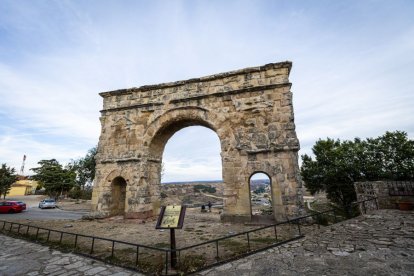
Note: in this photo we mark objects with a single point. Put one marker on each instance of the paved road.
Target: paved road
(34, 213)
(19, 257)
(30, 200)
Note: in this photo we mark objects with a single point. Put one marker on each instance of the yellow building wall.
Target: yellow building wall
(22, 187)
(32, 183)
(18, 191)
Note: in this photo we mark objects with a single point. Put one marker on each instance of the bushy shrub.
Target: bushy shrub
(203, 188)
(77, 193)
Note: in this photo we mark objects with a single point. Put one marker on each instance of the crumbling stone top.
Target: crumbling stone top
(285, 64)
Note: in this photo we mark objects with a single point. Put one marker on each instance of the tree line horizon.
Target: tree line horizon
(333, 168)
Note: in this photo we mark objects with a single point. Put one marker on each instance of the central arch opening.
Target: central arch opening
(192, 154)
(191, 171)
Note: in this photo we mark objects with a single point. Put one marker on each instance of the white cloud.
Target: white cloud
(352, 67)
(14, 147)
(192, 153)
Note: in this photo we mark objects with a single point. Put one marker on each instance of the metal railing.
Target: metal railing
(41, 234)
(131, 255)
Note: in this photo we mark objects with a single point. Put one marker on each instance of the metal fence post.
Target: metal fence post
(248, 241)
(275, 232)
(335, 218)
(113, 245)
(217, 251)
(76, 241)
(136, 260)
(319, 220)
(166, 262)
(364, 207)
(93, 242)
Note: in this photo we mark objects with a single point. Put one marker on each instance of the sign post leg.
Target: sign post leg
(173, 247)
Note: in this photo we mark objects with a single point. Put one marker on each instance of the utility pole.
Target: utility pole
(22, 168)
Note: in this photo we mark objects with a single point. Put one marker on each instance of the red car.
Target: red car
(10, 207)
(22, 204)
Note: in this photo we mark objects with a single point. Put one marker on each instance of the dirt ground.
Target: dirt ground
(198, 228)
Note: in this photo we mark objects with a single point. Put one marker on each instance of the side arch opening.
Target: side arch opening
(260, 185)
(118, 192)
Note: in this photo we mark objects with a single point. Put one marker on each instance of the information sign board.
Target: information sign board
(171, 217)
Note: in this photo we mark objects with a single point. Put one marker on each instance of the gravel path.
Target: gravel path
(381, 243)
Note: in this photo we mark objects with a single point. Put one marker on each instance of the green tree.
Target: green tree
(55, 179)
(259, 190)
(7, 178)
(332, 171)
(395, 153)
(85, 169)
(338, 165)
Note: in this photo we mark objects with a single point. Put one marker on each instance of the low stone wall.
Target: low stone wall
(386, 192)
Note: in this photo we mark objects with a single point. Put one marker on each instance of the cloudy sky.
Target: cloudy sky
(353, 68)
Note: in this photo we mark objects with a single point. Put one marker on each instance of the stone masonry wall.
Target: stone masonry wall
(381, 190)
(251, 112)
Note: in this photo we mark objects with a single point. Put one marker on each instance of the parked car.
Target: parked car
(21, 203)
(10, 207)
(47, 203)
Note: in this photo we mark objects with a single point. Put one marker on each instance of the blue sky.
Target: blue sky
(352, 75)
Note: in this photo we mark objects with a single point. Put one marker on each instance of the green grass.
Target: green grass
(267, 240)
(162, 245)
(234, 246)
(191, 263)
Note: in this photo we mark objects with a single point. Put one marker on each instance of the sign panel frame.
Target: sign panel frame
(171, 217)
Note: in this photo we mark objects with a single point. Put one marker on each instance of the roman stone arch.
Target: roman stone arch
(251, 112)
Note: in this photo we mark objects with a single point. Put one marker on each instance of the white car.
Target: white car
(47, 203)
